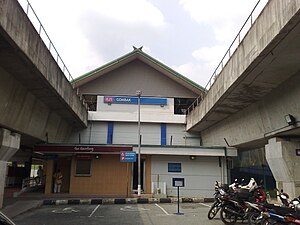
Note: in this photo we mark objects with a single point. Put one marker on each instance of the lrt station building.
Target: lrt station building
(92, 160)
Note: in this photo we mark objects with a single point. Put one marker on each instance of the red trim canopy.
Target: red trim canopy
(80, 149)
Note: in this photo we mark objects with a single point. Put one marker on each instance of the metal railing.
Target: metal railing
(234, 45)
(45, 37)
(33, 182)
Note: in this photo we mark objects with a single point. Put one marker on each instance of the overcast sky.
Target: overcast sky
(190, 36)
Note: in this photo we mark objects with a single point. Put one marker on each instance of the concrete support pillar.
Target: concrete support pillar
(3, 168)
(284, 164)
(49, 176)
(9, 145)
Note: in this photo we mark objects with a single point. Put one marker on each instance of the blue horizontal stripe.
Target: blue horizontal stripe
(134, 100)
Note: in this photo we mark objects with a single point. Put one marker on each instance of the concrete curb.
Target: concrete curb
(109, 201)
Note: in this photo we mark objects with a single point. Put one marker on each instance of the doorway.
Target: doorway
(135, 175)
(64, 164)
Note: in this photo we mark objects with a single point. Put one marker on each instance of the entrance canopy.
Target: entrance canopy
(80, 149)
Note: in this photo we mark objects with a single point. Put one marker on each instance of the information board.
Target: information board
(127, 156)
(178, 182)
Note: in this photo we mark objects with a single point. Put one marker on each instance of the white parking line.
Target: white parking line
(204, 204)
(94, 211)
(162, 209)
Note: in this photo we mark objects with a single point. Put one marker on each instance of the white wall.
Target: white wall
(200, 174)
(180, 136)
(126, 133)
(125, 128)
(95, 133)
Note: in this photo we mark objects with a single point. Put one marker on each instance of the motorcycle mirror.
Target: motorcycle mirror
(295, 202)
(283, 196)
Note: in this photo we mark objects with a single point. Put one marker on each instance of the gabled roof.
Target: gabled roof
(137, 53)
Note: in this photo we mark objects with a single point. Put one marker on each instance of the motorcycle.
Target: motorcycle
(220, 191)
(279, 216)
(287, 213)
(235, 206)
(233, 209)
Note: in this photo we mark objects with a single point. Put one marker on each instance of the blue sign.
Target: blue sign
(134, 100)
(127, 156)
(174, 167)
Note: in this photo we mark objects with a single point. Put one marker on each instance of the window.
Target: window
(174, 167)
(83, 167)
(91, 101)
(181, 105)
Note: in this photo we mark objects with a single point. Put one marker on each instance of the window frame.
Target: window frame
(83, 174)
(176, 165)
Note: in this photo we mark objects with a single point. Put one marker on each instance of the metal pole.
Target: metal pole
(225, 165)
(139, 92)
(178, 200)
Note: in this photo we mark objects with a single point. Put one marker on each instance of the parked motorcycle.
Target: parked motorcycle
(236, 208)
(220, 192)
(287, 213)
(278, 215)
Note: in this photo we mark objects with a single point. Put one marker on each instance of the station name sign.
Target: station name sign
(83, 148)
(78, 149)
(134, 100)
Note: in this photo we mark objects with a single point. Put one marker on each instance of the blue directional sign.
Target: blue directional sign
(127, 156)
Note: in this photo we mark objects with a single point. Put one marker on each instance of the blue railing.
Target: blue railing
(234, 45)
(45, 37)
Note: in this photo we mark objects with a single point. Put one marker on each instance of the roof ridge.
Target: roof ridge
(139, 51)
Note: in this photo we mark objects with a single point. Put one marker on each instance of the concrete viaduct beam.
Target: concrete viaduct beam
(36, 97)
(22, 111)
(266, 57)
(265, 119)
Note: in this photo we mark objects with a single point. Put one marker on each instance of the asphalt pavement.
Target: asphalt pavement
(16, 205)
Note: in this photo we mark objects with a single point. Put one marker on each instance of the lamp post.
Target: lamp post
(139, 93)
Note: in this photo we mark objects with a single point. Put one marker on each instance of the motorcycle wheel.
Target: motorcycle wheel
(214, 209)
(227, 217)
(252, 218)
